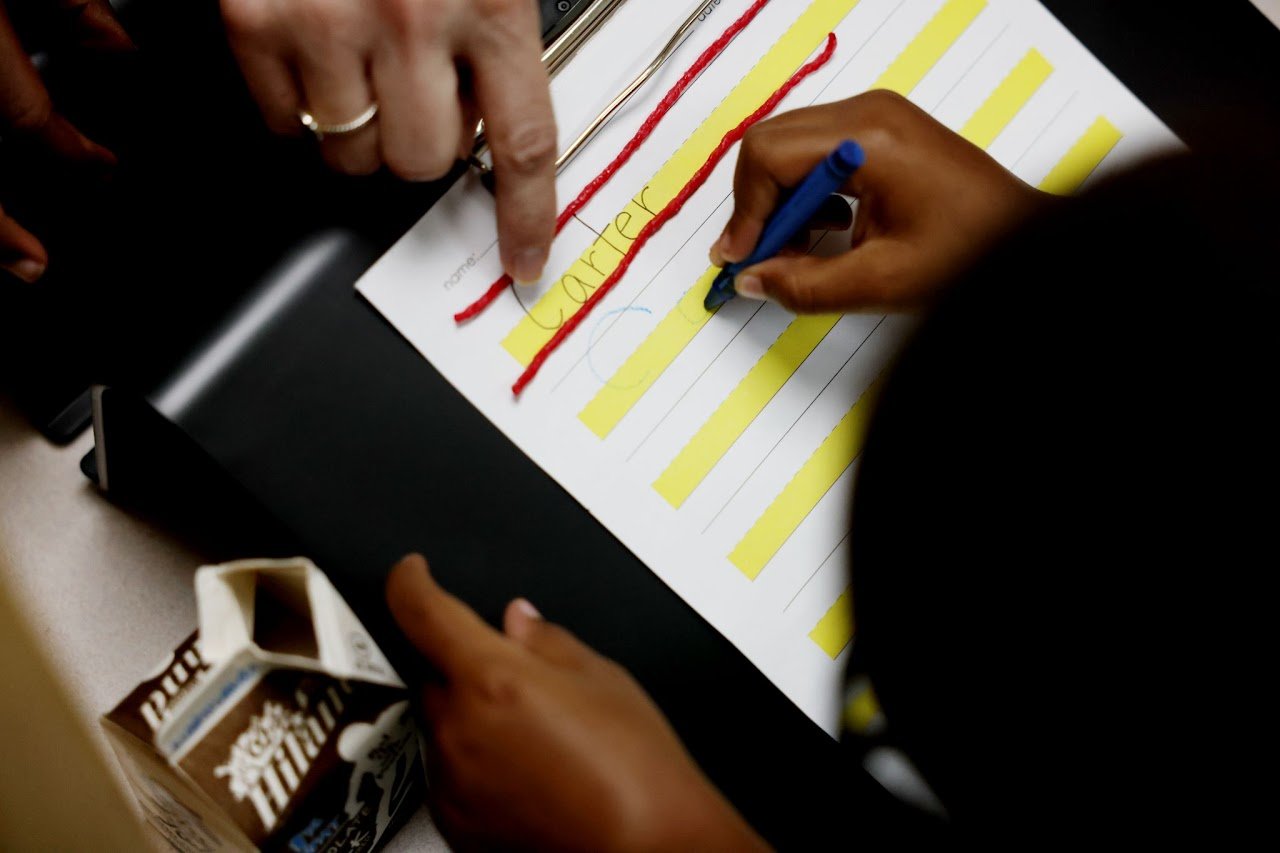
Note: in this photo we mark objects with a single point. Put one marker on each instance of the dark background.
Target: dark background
(319, 424)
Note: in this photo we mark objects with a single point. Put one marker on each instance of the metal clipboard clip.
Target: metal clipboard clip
(562, 50)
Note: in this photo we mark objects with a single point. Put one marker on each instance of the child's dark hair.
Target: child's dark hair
(1065, 510)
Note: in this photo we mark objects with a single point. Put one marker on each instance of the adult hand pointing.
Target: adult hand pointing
(433, 68)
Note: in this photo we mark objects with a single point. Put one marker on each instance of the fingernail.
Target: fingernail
(101, 154)
(28, 270)
(527, 266)
(726, 250)
(415, 562)
(527, 608)
(750, 287)
(717, 251)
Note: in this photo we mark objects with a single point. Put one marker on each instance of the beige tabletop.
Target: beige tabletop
(1270, 8)
(106, 594)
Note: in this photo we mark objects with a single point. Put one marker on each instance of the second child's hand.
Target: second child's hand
(536, 742)
(930, 203)
(27, 112)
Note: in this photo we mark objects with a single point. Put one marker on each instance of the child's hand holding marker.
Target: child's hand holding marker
(930, 203)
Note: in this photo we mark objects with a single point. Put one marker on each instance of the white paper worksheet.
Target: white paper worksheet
(722, 448)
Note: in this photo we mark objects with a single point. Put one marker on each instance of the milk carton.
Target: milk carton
(279, 725)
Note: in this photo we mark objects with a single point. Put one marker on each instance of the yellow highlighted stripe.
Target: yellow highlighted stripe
(643, 367)
(835, 630)
(568, 294)
(937, 37)
(862, 713)
(795, 503)
(814, 479)
(742, 406)
(1065, 178)
(675, 332)
(798, 342)
(1083, 158)
(1007, 100)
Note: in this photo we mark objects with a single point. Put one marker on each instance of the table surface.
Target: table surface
(107, 595)
(1270, 8)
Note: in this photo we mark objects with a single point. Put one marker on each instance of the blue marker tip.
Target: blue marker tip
(721, 291)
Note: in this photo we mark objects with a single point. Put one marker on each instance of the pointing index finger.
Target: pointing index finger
(515, 101)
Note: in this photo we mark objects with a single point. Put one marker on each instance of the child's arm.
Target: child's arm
(930, 204)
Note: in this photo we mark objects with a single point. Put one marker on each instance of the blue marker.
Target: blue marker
(794, 215)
